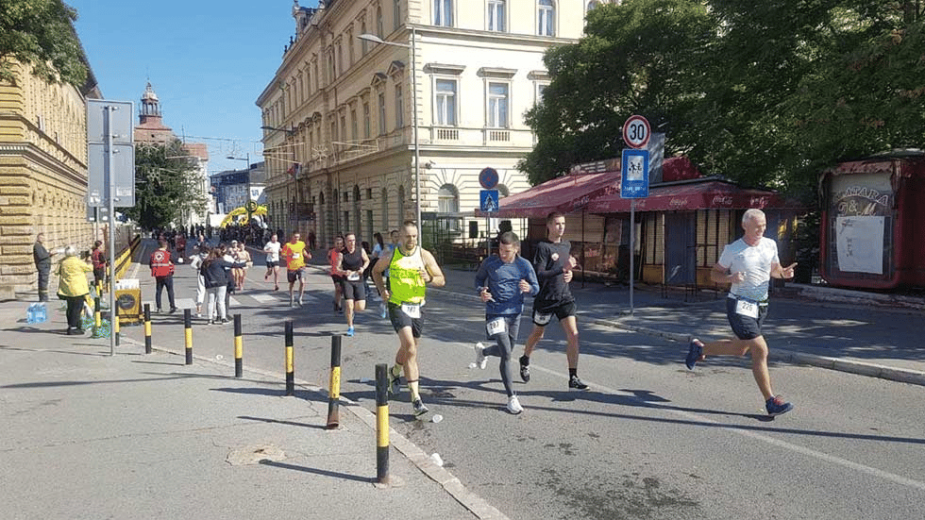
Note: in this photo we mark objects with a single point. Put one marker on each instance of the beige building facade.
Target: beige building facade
(339, 115)
(43, 173)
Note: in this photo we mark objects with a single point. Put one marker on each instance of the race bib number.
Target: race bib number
(353, 277)
(747, 309)
(496, 326)
(541, 319)
(413, 310)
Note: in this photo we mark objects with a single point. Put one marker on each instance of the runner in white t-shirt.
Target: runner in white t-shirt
(272, 250)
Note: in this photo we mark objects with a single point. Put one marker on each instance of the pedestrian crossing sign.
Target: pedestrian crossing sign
(488, 201)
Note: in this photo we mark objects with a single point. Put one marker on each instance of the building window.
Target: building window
(355, 134)
(448, 199)
(496, 15)
(379, 31)
(343, 130)
(592, 5)
(401, 203)
(445, 102)
(547, 18)
(364, 45)
(399, 108)
(366, 122)
(540, 92)
(498, 105)
(382, 113)
(340, 57)
(385, 211)
(350, 55)
(397, 15)
(443, 13)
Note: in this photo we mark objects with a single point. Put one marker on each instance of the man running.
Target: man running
(553, 264)
(352, 262)
(748, 264)
(336, 275)
(272, 250)
(295, 254)
(410, 269)
(502, 281)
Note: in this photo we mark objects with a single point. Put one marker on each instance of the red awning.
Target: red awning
(712, 194)
(563, 194)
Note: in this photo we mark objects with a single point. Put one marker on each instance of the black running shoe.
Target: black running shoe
(525, 369)
(575, 384)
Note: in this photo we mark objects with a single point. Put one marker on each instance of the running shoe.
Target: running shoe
(350, 331)
(419, 408)
(300, 301)
(575, 384)
(266, 277)
(777, 406)
(481, 360)
(513, 405)
(525, 369)
(393, 383)
(694, 352)
(173, 310)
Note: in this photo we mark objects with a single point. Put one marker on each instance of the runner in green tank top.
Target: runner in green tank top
(410, 268)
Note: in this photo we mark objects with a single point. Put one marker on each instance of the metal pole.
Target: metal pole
(382, 424)
(238, 348)
(632, 249)
(417, 151)
(290, 370)
(111, 182)
(334, 391)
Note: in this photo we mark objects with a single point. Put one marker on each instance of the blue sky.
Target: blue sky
(207, 60)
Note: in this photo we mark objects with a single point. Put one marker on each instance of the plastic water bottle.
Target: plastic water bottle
(30, 314)
(41, 313)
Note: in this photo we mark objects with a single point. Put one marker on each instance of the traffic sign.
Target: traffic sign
(636, 132)
(488, 201)
(488, 178)
(634, 169)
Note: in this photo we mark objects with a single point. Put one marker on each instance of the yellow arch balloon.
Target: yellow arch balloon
(241, 211)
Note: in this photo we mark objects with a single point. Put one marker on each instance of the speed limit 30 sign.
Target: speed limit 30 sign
(636, 132)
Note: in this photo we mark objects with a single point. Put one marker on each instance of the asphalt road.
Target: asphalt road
(649, 440)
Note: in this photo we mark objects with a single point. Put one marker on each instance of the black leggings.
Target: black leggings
(503, 347)
(75, 304)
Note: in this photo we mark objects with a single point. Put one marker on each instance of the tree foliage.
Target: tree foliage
(167, 185)
(763, 93)
(40, 33)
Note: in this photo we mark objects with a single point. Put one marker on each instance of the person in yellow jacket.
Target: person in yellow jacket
(73, 287)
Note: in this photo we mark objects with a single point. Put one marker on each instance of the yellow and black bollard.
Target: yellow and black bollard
(148, 349)
(97, 316)
(334, 392)
(382, 424)
(290, 369)
(188, 325)
(114, 317)
(238, 348)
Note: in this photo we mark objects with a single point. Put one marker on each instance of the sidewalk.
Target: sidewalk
(90, 436)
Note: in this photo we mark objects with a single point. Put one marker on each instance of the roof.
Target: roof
(709, 193)
(564, 194)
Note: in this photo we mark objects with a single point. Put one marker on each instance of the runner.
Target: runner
(748, 264)
(411, 268)
(336, 275)
(553, 264)
(243, 255)
(295, 254)
(272, 250)
(352, 261)
(502, 281)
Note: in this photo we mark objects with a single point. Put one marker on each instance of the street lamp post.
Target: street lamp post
(414, 117)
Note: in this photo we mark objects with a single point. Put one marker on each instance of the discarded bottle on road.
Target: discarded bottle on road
(41, 313)
(30, 314)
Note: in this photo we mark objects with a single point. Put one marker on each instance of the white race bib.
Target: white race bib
(746, 308)
(354, 277)
(413, 310)
(541, 319)
(496, 326)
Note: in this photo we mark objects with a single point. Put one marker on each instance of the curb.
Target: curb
(418, 458)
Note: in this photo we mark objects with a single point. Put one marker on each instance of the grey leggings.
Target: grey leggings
(503, 347)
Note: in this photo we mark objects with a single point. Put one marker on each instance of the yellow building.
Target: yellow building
(43, 173)
(339, 115)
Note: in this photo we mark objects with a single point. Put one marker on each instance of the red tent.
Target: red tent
(694, 195)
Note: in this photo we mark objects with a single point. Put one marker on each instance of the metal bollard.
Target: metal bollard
(290, 369)
(188, 325)
(382, 423)
(238, 348)
(148, 349)
(97, 315)
(114, 317)
(334, 391)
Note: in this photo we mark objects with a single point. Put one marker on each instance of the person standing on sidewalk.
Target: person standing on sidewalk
(42, 258)
(272, 249)
(202, 252)
(73, 287)
(553, 264)
(162, 271)
(98, 257)
(296, 255)
(748, 264)
(352, 261)
(215, 271)
(411, 268)
(502, 280)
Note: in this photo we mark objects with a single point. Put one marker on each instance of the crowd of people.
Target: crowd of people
(401, 270)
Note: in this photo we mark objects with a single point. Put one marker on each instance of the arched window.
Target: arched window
(592, 5)
(448, 199)
(546, 16)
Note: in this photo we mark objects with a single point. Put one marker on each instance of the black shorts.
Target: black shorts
(544, 311)
(354, 289)
(298, 274)
(745, 327)
(99, 274)
(271, 265)
(401, 320)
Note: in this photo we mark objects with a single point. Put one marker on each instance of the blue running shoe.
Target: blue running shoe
(694, 352)
(777, 406)
(350, 331)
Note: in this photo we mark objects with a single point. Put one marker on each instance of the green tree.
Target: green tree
(167, 185)
(40, 33)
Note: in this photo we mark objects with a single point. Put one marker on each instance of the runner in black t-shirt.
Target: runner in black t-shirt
(353, 261)
(553, 264)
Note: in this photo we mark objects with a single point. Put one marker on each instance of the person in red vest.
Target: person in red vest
(162, 271)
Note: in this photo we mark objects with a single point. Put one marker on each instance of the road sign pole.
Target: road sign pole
(632, 249)
(110, 180)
